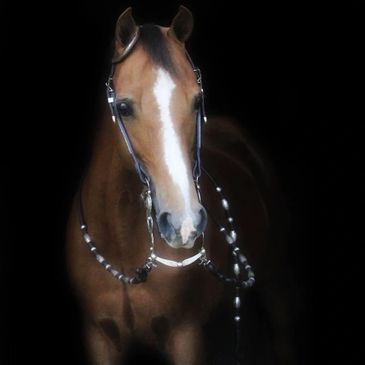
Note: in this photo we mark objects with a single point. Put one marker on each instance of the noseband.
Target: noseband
(228, 231)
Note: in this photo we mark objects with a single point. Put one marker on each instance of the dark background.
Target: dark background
(287, 70)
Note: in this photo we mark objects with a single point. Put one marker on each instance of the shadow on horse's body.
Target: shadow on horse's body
(177, 310)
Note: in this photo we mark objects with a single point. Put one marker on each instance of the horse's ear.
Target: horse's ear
(182, 25)
(126, 34)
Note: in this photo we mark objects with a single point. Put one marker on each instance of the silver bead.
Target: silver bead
(100, 258)
(120, 277)
(236, 269)
(107, 267)
(205, 119)
(233, 234)
(230, 219)
(218, 189)
(251, 281)
(222, 229)
(229, 239)
(237, 318)
(93, 249)
(87, 238)
(237, 302)
(114, 272)
(225, 204)
(83, 226)
(242, 258)
(113, 117)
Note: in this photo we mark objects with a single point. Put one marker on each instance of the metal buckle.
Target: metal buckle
(146, 196)
(198, 75)
(108, 84)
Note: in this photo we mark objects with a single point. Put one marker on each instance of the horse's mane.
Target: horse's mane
(154, 43)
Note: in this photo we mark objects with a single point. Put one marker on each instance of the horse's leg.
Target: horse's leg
(104, 345)
(185, 345)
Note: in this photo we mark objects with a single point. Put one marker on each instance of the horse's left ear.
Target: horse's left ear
(126, 35)
(182, 25)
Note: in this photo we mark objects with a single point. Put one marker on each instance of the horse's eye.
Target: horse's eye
(125, 109)
(197, 101)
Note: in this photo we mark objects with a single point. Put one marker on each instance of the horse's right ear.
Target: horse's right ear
(126, 35)
(182, 25)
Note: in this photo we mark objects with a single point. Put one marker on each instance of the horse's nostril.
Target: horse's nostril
(202, 223)
(165, 226)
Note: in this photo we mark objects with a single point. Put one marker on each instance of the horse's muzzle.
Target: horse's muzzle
(181, 232)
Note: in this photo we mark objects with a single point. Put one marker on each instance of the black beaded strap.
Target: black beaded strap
(141, 272)
(209, 265)
(240, 261)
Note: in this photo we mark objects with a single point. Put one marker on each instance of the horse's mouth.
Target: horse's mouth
(177, 241)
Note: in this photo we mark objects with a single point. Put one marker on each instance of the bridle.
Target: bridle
(117, 118)
(153, 260)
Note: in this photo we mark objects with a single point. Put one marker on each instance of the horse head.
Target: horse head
(157, 97)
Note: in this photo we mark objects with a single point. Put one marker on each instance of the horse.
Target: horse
(155, 98)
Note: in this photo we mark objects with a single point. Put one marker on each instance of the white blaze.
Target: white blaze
(172, 153)
(186, 228)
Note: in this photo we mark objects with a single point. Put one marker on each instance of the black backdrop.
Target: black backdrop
(277, 67)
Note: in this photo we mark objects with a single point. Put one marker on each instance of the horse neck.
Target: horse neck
(111, 164)
(111, 190)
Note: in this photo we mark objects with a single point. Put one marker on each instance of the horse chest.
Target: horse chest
(179, 292)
